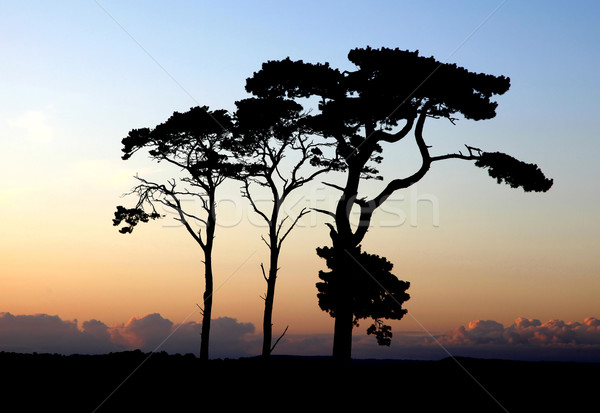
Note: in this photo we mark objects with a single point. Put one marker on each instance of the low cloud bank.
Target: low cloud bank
(525, 339)
(527, 332)
(44, 333)
(229, 338)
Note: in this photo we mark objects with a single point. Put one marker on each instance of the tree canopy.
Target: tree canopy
(390, 93)
(196, 143)
(376, 292)
(275, 153)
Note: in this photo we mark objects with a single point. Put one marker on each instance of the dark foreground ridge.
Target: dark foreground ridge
(181, 383)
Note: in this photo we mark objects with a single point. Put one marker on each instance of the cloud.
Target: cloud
(45, 333)
(33, 125)
(305, 345)
(145, 333)
(228, 338)
(523, 331)
(525, 339)
(50, 334)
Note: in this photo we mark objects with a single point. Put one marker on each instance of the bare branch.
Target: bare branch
(277, 341)
(278, 230)
(312, 176)
(474, 154)
(265, 241)
(333, 186)
(262, 267)
(454, 156)
(189, 228)
(246, 194)
(285, 181)
(176, 208)
(323, 211)
(303, 212)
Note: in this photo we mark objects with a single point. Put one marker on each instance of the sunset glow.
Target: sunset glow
(491, 269)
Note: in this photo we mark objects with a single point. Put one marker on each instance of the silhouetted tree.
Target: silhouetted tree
(390, 93)
(376, 292)
(277, 155)
(193, 143)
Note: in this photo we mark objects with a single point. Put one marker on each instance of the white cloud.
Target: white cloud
(34, 126)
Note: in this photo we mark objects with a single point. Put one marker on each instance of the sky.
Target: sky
(486, 263)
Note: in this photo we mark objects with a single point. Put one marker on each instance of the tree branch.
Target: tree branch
(369, 207)
(380, 135)
(323, 211)
(277, 341)
(246, 194)
(262, 267)
(265, 241)
(303, 212)
(470, 157)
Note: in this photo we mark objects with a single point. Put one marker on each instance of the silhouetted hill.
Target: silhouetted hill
(135, 381)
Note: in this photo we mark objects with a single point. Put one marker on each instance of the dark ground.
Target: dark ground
(177, 383)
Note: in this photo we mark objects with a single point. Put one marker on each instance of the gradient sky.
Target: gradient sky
(78, 75)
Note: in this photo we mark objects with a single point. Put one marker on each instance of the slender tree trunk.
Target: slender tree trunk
(269, 300)
(207, 308)
(272, 277)
(208, 276)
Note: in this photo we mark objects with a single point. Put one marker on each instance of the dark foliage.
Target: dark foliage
(275, 118)
(132, 216)
(390, 93)
(382, 332)
(389, 85)
(376, 292)
(513, 172)
(180, 131)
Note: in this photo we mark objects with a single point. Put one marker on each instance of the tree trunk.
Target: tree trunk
(271, 280)
(207, 309)
(268, 316)
(342, 334)
(272, 277)
(344, 243)
(208, 277)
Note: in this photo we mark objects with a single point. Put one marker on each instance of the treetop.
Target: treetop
(388, 85)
